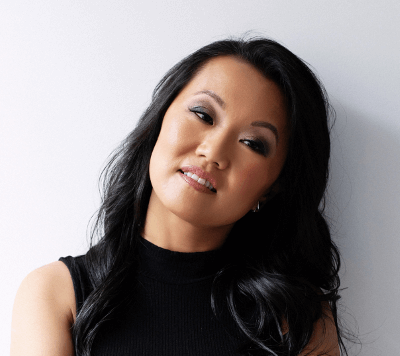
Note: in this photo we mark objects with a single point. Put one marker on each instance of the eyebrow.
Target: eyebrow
(268, 126)
(221, 103)
(215, 96)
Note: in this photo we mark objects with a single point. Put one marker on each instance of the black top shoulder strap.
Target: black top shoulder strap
(80, 278)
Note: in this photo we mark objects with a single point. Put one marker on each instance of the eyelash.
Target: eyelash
(206, 118)
(256, 145)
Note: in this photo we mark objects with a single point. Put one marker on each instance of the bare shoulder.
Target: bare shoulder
(50, 285)
(324, 340)
(44, 311)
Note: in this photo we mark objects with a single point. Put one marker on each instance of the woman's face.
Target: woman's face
(229, 121)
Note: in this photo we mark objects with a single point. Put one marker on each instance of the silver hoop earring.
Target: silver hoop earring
(256, 210)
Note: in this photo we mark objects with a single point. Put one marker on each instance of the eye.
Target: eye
(257, 146)
(201, 114)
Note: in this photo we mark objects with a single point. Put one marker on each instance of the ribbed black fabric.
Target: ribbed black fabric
(170, 313)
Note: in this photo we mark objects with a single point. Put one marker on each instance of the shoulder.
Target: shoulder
(44, 311)
(52, 285)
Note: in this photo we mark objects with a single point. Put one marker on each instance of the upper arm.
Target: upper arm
(324, 341)
(44, 311)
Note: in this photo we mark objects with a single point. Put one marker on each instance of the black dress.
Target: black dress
(170, 313)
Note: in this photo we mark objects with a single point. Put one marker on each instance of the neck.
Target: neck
(167, 230)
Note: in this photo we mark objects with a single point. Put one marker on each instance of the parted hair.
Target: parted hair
(282, 266)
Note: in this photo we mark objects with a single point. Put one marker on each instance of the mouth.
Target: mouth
(202, 181)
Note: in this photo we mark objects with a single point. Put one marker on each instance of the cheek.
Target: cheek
(173, 141)
(251, 183)
(175, 134)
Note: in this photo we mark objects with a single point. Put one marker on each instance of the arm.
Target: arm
(44, 311)
(324, 341)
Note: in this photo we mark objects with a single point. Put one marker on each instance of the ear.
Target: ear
(274, 189)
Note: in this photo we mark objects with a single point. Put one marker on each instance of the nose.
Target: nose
(215, 149)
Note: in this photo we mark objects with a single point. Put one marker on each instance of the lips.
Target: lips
(202, 174)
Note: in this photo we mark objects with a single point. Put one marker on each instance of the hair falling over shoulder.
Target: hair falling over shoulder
(283, 264)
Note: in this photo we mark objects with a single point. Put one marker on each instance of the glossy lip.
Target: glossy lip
(199, 187)
(202, 174)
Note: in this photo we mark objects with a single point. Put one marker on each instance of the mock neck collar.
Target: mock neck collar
(177, 267)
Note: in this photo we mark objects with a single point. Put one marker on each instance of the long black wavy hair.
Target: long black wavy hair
(283, 266)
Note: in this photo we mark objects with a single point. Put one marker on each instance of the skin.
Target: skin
(44, 311)
(180, 218)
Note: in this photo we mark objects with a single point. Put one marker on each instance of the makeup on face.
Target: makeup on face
(251, 135)
(230, 122)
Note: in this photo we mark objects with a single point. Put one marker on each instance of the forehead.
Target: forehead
(244, 89)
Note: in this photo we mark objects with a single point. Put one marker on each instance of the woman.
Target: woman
(212, 239)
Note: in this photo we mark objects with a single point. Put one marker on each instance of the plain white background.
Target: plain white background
(76, 75)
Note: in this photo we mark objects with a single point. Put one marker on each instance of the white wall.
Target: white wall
(76, 75)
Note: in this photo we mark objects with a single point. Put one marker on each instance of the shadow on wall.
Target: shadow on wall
(363, 205)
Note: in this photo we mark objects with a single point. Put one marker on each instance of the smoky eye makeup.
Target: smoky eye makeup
(199, 109)
(205, 112)
(204, 104)
(258, 145)
(202, 114)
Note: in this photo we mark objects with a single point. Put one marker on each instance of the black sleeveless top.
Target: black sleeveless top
(170, 313)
